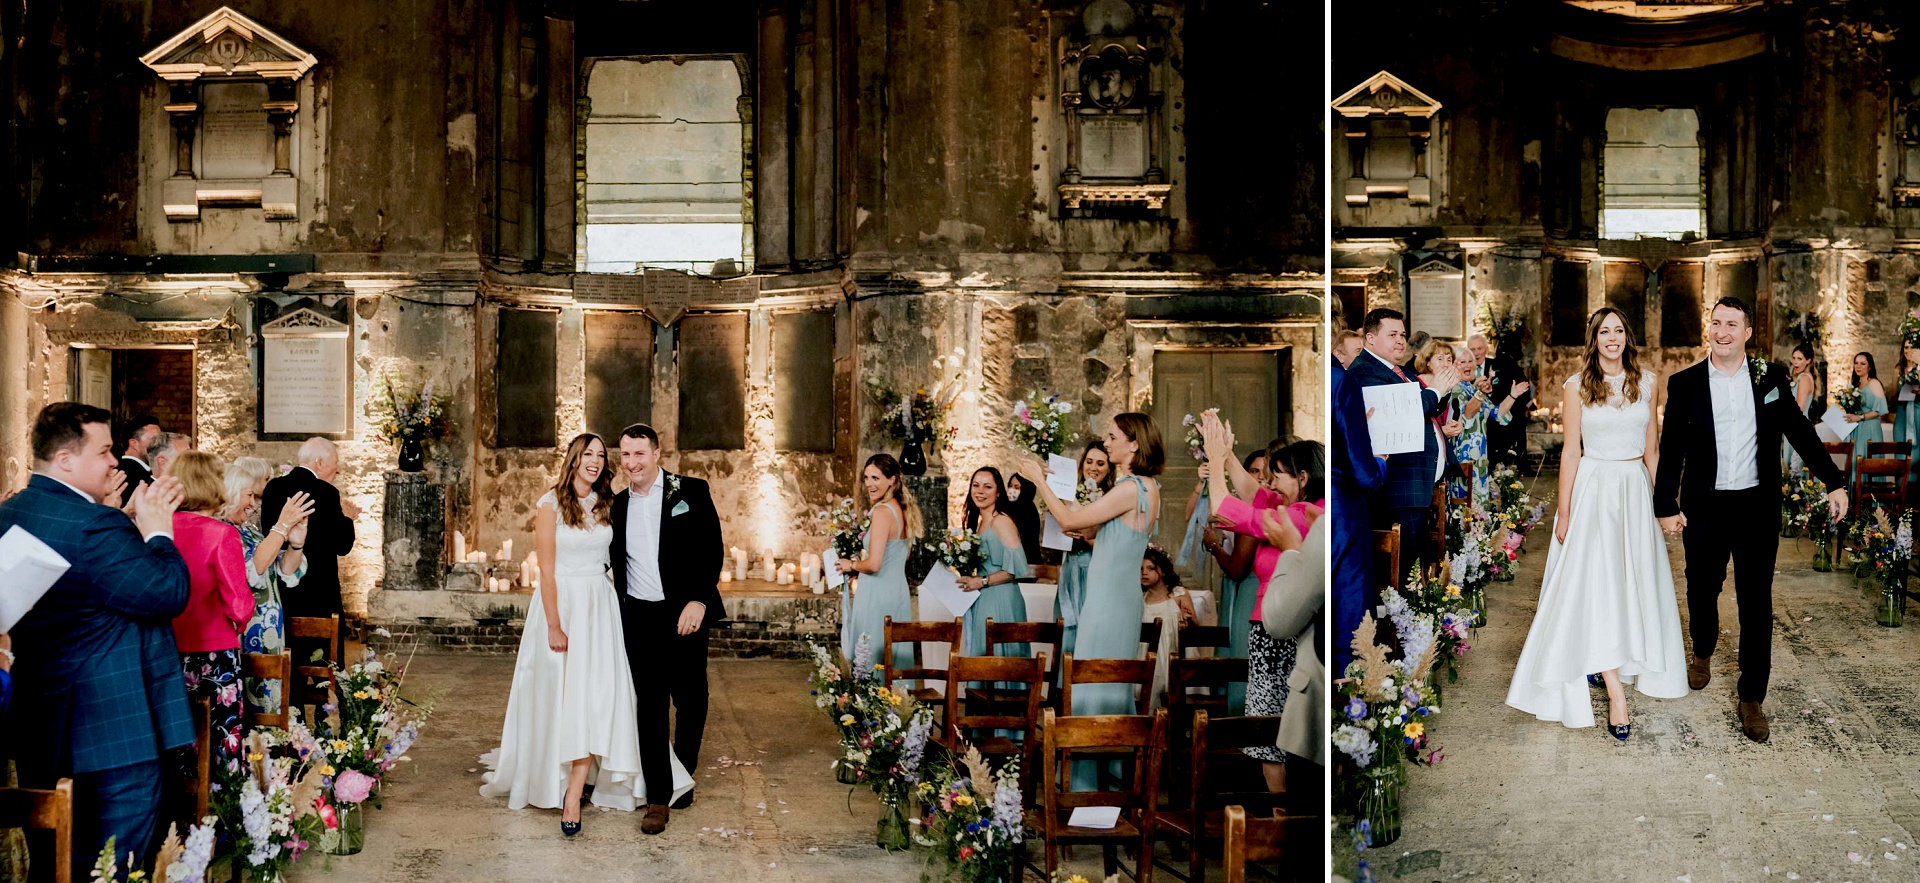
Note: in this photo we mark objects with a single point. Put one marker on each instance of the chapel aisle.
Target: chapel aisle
(1834, 796)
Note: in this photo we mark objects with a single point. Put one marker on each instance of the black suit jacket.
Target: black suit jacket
(691, 551)
(137, 474)
(329, 536)
(1505, 373)
(1689, 454)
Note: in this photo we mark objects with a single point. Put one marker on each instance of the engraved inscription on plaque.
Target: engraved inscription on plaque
(236, 141)
(1113, 146)
(1437, 301)
(306, 386)
(713, 382)
(619, 372)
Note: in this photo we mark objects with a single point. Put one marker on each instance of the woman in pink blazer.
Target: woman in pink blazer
(219, 605)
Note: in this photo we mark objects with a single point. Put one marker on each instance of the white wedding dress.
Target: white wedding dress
(565, 706)
(1607, 600)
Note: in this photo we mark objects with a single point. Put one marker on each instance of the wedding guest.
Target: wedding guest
(1906, 406)
(329, 534)
(1355, 473)
(1454, 405)
(1800, 373)
(1350, 345)
(1406, 497)
(1096, 478)
(893, 526)
(1025, 515)
(96, 667)
(1873, 403)
(1110, 616)
(1166, 601)
(998, 580)
(1239, 586)
(166, 447)
(136, 438)
(1290, 610)
(221, 603)
(275, 559)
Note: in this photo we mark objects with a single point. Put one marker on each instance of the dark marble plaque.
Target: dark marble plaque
(713, 382)
(526, 371)
(619, 373)
(803, 381)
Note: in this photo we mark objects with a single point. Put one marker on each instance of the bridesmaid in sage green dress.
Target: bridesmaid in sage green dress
(1110, 618)
(1906, 407)
(881, 587)
(1873, 403)
(1095, 471)
(1000, 599)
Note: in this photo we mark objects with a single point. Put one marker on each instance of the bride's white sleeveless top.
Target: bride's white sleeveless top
(1615, 429)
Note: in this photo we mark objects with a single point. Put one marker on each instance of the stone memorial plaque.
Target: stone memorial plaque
(306, 379)
(1567, 303)
(619, 373)
(235, 141)
(527, 372)
(609, 288)
(1113, 146)
(713, 382)
(1437, 300)
(803, 381)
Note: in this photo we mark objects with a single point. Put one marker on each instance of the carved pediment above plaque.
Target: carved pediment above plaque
(227, 43)
(1384, 94)
(1151, 196)
(304, 321)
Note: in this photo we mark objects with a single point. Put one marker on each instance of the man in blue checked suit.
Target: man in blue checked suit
(1406, 497)
(96, 671)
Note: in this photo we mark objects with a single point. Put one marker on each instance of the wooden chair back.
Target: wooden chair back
(49, 809)
(1195, 688)
(1901, 449)
(198, 782)
(1842, 454)
(1042, 640)
(311, 679)
(1387, 543)
(918, 634)
(1150, 632)
(1879, 480)
(1138, 672)
(1218, 774)
(1142, 740)
(270, 667)
(1022, 718)
(1250, 839)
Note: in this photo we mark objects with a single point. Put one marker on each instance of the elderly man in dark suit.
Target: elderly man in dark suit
(96, 669)
(329, 532)
(666, 555)
(136, 436)
(1407, 495)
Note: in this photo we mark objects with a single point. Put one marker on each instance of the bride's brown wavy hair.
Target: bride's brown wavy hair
(563, 498)
(1593, 382)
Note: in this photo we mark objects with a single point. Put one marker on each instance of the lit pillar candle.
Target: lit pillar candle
(506, 550)
(459, 546)
(766, 566)
(726, 576)
(739, 563)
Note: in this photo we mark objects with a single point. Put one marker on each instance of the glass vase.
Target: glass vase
(1506, 571)
(1823, 554)
(1381, 807)
(1892, 609)
(845, 774)
(892, 832)
(1477, 601)
(349, 835)
(1787, 530)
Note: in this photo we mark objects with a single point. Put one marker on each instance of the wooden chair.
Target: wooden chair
(44, 810)
(1842, 454)
(1043, 643)
(1138, 672)
(1044, 573)
(196, 787)
(1195, 687)
(1250, 839)
(1142, 739)
(1387, 542)
(1205, 637)
(270, 667)
(1438, 533)
(311, 679)
(1219, 775)
(1881, 480)
(1026, 670)
(918, 634)
(1150, 633)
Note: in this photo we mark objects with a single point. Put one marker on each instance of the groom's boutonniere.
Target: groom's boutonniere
(1758, 367)
(673, 483)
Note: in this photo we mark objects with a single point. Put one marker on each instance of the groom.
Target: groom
(666, 559)
(1720, 452)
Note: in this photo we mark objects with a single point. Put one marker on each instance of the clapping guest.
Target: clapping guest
(221, 604)
(136, 438)
(998, 580)
(1239, 586)
(1406, 498)
(167, 447)
(97, 671)
(329, 534)
(274, 559)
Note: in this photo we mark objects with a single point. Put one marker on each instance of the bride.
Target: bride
(570, 715)
(1607, 602)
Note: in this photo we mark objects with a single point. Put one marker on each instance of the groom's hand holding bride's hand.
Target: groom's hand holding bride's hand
(1673, 523)
(691, 616)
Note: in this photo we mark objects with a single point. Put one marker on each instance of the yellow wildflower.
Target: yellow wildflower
(359, 694)
(1077, 879)
(256, 758)
(326, 769)
(846, 720)
(340, 745)
(964, 800)
(1415, 729)
(1453, 592)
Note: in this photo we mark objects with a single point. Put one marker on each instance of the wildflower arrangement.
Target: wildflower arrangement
(1910, 329)
(846, 527)
(275, 814)
(1197, 444)
(1087, 491)
(1807, 506)
(1380, 719)
(921, 414)
(1505, 329)
(1911, 376)
(1445, 611)
(1849, 400)
(402, 415)
(1510, 496)
(367, 730)
(1040, 423)
(833, 689)
(1809, 328)
(961, 551)
(178, 861)
(975, 819)
(1888, 543)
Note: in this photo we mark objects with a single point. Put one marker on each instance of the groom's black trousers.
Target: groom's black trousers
(1745, 526)
(667, 667)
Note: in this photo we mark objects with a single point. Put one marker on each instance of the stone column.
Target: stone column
(414, 532)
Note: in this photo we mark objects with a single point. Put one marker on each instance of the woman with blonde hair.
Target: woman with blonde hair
(893, 525)
(207, 632)
(571, 713)
(275, 560)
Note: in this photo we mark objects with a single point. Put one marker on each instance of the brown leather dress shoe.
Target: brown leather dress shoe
(1699, 672)
(655, 820)
(1753, 721)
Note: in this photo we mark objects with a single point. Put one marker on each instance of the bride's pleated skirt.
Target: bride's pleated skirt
(1607, 601)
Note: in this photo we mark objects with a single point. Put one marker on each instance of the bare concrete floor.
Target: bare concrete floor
(1834, 796)
(782, 815)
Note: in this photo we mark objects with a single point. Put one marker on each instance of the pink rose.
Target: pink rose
(352, 786)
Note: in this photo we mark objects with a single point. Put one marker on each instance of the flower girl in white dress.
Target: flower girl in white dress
(570, 716)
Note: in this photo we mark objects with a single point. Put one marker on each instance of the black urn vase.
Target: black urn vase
(413, 455)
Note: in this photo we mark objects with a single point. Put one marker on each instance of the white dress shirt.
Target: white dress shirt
(168, 532)
(1736, 431)
(643, 541)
